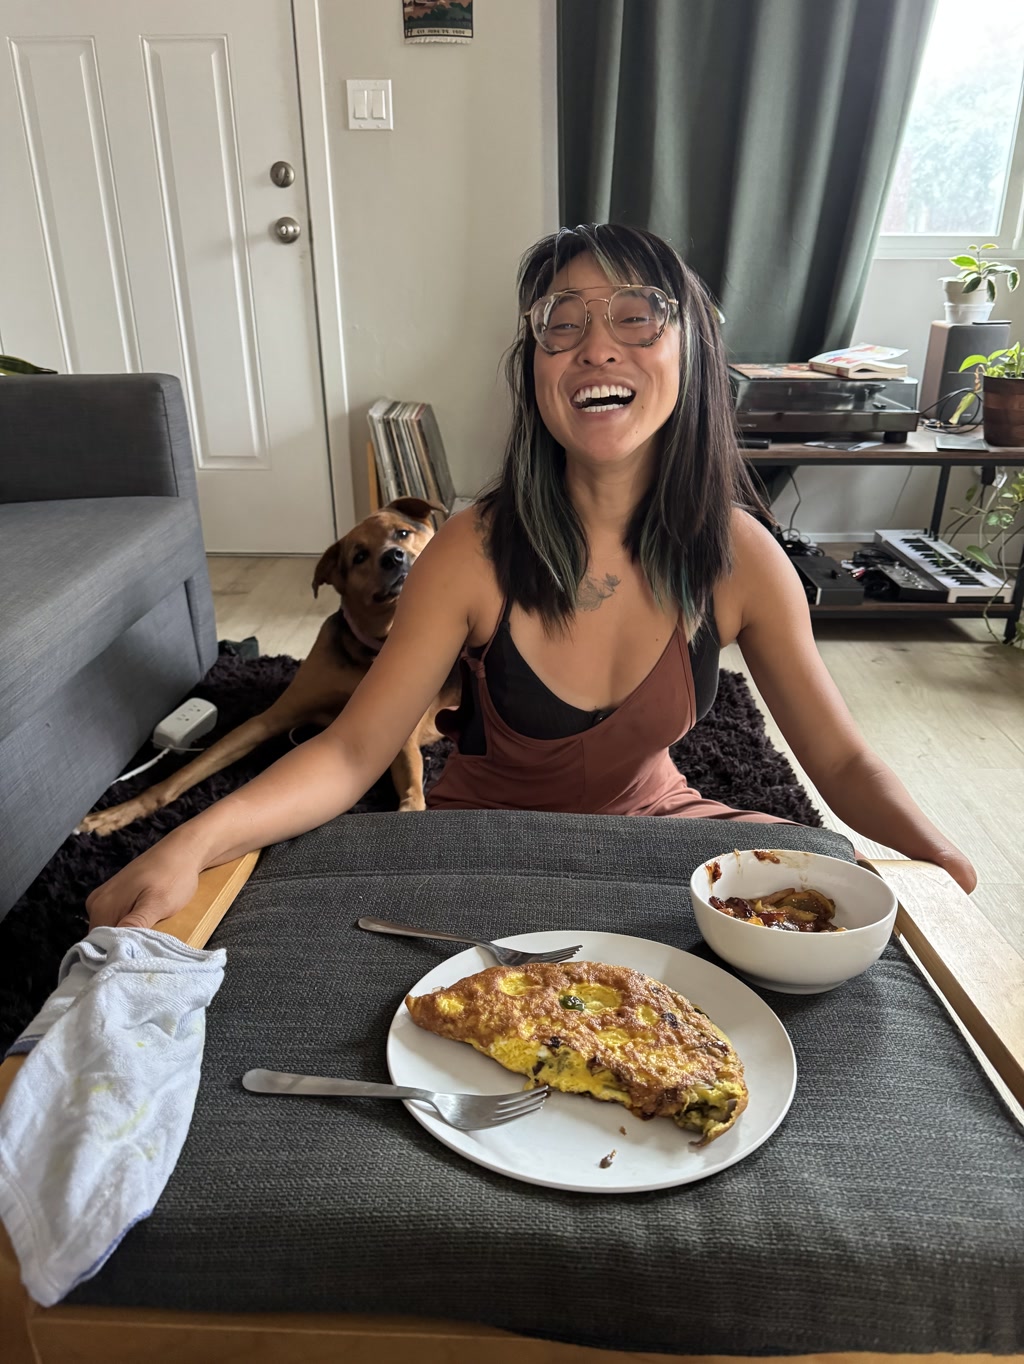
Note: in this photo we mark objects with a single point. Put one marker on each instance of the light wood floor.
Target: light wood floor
(940, 701)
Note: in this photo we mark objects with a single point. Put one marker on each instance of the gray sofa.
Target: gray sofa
(106, 616)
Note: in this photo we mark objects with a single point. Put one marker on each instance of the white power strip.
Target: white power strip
(190, 721)
(175, 732)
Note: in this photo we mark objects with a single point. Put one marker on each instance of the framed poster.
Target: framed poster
(438, 21)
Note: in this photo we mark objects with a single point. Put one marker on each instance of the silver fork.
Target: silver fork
(467, 1112)
(505, 956)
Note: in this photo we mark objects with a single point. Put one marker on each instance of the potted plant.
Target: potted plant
(999, 378)
(966, 300)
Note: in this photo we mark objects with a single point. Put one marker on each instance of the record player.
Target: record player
(793, 402)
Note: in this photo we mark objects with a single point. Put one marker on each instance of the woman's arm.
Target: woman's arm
(329, 773)
(764, 608)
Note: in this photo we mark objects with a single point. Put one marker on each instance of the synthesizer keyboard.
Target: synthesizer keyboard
(960, 577)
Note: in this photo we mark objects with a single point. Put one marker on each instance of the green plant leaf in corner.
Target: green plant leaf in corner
(976, 552)
(11, 364)
(971, 284)
(965, 262)
(1012, 280)
(989, 246)
(990, 289)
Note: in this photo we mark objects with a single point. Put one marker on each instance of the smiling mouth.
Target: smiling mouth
(602, 397)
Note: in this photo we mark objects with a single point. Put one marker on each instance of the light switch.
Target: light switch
(369, 105)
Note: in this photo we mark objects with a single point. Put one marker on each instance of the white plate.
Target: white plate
(562, 1146)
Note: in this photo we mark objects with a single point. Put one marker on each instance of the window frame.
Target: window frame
(1008, 240)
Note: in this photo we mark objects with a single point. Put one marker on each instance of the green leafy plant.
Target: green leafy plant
(976, 271)
(1001, 364)
(10, 364)
(997, 518)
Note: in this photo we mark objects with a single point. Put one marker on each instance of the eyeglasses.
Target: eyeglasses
(636, 315)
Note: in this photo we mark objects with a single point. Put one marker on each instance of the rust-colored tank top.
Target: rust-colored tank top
(620, 766)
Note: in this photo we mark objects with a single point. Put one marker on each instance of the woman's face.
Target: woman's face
(570, 380)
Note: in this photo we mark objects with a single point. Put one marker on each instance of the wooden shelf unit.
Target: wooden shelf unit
(919, 449)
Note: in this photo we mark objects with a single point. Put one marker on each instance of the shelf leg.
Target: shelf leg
(1018, 603)
(940, 499)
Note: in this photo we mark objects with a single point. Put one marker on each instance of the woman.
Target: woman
(588, 595)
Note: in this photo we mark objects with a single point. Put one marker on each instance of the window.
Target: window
(960, 173)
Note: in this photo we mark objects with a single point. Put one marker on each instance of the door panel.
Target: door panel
(138, 235)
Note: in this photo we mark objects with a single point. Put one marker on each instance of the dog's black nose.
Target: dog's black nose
(393, 558)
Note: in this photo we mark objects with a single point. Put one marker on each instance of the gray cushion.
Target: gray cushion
(94, 435)
(76, 574)
(884, 1214)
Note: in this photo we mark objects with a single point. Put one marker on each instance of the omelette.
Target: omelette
(588, 1028)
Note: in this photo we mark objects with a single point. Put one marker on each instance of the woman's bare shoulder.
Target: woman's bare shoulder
(459, 562)
(757, 558)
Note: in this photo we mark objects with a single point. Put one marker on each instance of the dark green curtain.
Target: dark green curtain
(758, 136)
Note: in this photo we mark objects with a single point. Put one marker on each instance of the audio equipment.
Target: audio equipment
(962, 578)
(949, 345)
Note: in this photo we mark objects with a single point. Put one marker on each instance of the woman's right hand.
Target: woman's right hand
(154, 886)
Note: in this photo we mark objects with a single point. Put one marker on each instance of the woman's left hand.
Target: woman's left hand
(953, 861)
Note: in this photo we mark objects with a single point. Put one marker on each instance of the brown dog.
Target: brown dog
(367, 568)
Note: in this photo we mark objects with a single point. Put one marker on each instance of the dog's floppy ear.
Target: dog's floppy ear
(331, 568)
(417, 507)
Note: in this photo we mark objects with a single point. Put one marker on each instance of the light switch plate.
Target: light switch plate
(369, 105)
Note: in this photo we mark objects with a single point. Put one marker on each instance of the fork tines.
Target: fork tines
(515, 1106)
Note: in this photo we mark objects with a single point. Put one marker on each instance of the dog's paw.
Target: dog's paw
(105, 822)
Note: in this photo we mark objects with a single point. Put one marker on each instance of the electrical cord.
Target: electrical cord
(899, 495)
(794, 542)
(152, 762)
(939, 423)
(796, 508)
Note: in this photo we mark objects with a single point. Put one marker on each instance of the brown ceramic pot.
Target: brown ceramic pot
(1004, 411)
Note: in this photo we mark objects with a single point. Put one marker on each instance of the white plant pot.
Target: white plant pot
(961, 307)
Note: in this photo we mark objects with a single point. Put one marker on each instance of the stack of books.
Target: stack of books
(409, 453)
(861, 362)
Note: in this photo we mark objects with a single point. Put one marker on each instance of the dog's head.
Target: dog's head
(368, 566)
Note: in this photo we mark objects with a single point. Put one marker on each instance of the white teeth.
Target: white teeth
(593, 392)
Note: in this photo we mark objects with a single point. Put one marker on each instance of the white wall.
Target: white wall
(433, 217)
(902, 298)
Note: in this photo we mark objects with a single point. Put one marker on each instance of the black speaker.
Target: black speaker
(949, 345)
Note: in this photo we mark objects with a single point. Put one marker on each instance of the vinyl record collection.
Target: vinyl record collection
(409, 453)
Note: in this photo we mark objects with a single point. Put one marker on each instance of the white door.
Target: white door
(137, 232)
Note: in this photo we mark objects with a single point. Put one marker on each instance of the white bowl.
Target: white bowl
(795, 963)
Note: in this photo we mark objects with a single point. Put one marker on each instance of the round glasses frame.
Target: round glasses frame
(545, 304)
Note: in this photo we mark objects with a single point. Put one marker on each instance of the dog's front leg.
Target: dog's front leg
(407, 775)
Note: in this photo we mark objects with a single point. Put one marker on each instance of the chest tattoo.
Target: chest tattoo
(594, 591)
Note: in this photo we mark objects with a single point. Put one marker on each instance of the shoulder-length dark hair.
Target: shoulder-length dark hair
(679, 532)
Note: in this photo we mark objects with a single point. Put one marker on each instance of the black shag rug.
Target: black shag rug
(727, 757)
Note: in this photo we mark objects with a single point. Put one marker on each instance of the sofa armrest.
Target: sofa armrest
(94, 435)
